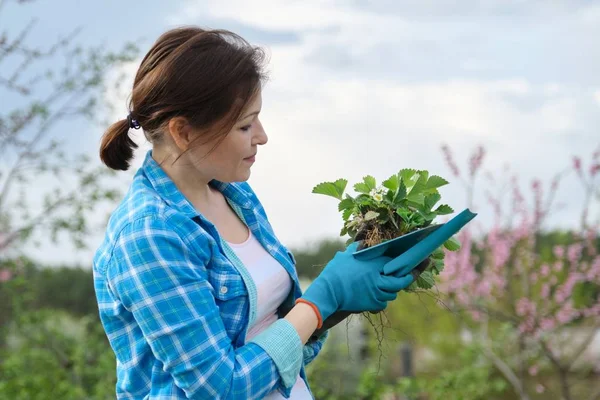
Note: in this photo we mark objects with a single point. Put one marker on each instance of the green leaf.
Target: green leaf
(333, 189)
(362, 188)
(437, 266)
(431, 200)
(344, 231)
(419, 186)
(389, 196)
(392, 183)
(452, 244)
(371, 215)
(393, 219)
(407, 175)
(400, 194)
(426, 280)
(352, 223)
(370, 182)
(363, 199)
(384, 217)
(418, 220)
(444, 209)
(418, 199)
(403, 213)
(439, 253)
(413, 286)
(347, 213)
(345, 204)
(429, 216)
(435, 182)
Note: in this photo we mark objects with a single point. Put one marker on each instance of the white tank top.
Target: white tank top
(273, 285)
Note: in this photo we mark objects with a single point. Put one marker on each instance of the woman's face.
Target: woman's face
(232, 159)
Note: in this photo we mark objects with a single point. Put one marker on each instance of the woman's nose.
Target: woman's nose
(260, 136)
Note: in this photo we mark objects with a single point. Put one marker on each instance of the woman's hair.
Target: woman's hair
(206, 76)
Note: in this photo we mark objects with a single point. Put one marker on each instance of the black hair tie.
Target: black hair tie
(133, 123)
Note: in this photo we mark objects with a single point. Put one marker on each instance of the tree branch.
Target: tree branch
(17, 42)
(24, 153)
(503, 367)
(584, 345)
(35, 221)
(562, 371)
(497, 314)
(507, 372)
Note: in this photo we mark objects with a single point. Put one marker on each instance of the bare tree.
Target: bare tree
(40, 90)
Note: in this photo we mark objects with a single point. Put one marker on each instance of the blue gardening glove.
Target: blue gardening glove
(339, 316)
(349, 284)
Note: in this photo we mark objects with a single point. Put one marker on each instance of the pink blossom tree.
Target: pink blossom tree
(532, 304)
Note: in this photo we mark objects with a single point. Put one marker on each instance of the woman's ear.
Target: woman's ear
(181, 132)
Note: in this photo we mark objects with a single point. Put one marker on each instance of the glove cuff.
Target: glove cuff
(315, 309)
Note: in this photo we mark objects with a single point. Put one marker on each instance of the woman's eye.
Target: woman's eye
(246, 128)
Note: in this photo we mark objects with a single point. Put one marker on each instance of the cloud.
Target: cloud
(597, 97)
(355, 90)
(370, 92)
(350, 129)
(469, 8)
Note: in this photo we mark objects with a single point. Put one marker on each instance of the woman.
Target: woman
(198, 297)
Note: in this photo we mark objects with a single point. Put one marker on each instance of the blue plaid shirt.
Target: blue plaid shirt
(176, 302)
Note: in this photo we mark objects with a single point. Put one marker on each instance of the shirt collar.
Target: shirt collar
(168, 191)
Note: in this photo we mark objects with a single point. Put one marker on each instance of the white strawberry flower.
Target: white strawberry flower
(378, 193)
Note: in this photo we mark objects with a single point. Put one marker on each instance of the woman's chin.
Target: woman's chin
(240, 176)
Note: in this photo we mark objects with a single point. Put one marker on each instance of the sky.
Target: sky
(370, 87)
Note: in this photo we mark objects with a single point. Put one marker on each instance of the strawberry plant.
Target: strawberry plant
(405, 202)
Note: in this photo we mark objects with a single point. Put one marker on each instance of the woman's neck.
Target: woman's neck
(186, 177)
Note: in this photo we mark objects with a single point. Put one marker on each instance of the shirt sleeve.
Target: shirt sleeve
(313, 347)
(164, 284)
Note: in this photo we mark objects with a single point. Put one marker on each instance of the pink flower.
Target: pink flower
(558, 266)
(525, 307)
(476, 160)
(450, 160)
(533, 370)
(566, 314)
(559, 251)
(594, 169)
(540, 388)
(545, 271)
(476, 315)
(577, 164)
(5, 275)
(545, 292)
(574, 252)
(547, 324)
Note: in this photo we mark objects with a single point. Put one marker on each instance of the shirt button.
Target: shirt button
(224, 289)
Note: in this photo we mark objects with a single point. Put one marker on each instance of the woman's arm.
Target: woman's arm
(304, 319)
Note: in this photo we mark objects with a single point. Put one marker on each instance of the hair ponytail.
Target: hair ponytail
(116, 149)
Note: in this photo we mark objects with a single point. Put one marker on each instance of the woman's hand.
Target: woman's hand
(339, 316)
(348, 284)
